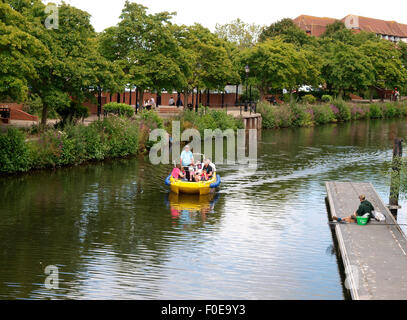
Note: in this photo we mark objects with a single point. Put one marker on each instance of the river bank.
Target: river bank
(109, 138)
(307, 115)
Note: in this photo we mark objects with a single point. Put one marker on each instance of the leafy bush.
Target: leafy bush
(209, 119)
(72, 114)
(120, 136)
(359, 112)
(309, 98)
(301, 117)
(267, 114)
(120, 109)
(113, 137)
(344, 112)
(152, 119)
(286, 98)
(326, 98)
(14, 154)
(375, 111)
(323, 114)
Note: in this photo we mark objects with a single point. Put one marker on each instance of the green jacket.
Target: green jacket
(365, 207)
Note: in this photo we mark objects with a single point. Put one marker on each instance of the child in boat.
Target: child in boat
(177, 173)
(198, 171)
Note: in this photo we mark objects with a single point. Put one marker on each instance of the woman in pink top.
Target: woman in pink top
(177, 173)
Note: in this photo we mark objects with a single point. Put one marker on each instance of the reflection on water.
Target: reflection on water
(115, 231)
(189, 208)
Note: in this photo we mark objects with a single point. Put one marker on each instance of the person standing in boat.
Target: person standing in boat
(186, 160)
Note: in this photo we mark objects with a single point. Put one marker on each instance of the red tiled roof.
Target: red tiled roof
(378, 26)
(315, 25)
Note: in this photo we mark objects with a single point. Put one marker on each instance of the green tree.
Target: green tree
(288, 31)
(387, 64)
(73, 68)
(346, 68)
(242, 34)
(275, 64)
(20, 53)
(145, 48)
(211, 62)
(334, 28)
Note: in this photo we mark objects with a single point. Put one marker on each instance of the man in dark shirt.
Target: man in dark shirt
(365, 210)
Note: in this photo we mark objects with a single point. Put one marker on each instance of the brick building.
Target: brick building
(389, 30)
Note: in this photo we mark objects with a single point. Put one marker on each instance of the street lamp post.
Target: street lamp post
(247, 70)
(99, 101)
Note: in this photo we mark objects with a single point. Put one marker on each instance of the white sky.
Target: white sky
(105, 13)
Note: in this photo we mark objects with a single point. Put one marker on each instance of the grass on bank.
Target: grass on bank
(112, 137)
(305, 115)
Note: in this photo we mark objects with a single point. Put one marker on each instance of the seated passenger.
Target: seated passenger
(207, 171)
(191, 173)
(198, 171)
(177, 173)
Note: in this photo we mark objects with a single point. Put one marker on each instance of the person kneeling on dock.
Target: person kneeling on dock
(365, 210)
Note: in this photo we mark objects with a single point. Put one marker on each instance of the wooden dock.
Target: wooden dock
(374, 256)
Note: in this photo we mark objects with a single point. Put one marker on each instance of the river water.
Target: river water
(114, 232)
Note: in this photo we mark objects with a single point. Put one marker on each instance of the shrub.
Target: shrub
(110, 138)
(300, 116)
(375, 112)
(120, 136)
(326, 98)
(120, 109)
(392, 110)
(14, 153)
(309, 99)
(72, 114)
(344, 112)
(267, 114)
(286, 98)
(283, 117)
(359, 112)
(323, 114)
(152, 119)
(209, 119)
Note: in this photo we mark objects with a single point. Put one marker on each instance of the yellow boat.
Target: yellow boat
(201, 188)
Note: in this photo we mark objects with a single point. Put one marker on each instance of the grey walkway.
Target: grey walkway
(374, 256)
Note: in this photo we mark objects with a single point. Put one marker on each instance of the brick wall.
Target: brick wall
(17, 113)
(214, 99)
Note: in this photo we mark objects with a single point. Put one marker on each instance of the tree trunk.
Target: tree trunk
(141, 97)
(262, 93)
(186, 97)
(44, 116)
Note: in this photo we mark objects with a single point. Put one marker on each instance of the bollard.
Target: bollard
(395, 177)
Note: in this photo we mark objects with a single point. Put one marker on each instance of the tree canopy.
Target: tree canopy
(242, 34)
(64, 67)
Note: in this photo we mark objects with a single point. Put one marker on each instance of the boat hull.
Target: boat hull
(201, 188)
